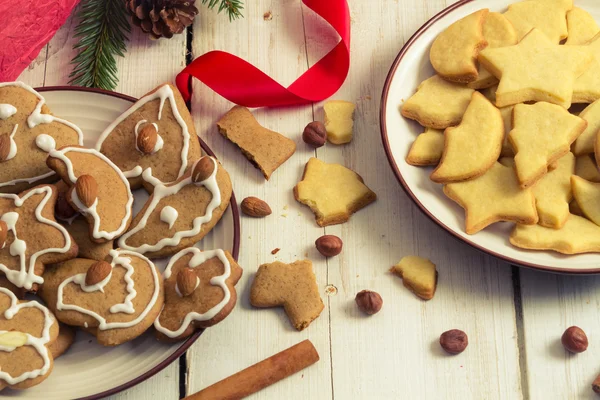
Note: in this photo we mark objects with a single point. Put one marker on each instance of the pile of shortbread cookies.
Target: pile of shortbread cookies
(503, 124)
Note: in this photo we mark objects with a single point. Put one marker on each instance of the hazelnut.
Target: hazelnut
(574, 340)
(596, 385)
(329, 245)
(63, 209)
(315, 134)
(454, 341)
(369, 302)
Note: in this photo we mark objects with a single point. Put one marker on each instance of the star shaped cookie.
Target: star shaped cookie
(547, 15)
(494, 196)
(536, 69)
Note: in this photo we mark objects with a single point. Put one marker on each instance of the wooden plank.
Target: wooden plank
(250, 335)
(396, 353)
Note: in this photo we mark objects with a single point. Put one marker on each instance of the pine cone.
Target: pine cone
(162, 18)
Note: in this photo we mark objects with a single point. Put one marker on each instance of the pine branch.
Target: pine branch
(233, 7)
(101, 32)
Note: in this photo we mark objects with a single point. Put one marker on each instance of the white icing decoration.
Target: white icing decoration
(160, 192)
(45, 142)
(169, 215)
(38, 343)
(197, 259)
(7, 111)
(12, 152)
(25, 277)
(159, 140)
(96, 233)
(163, 93)
(36, 118)
(126, 307)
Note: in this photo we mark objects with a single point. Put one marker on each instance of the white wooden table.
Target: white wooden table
(514, 317)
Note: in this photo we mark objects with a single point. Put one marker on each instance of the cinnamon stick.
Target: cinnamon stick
(261, 375)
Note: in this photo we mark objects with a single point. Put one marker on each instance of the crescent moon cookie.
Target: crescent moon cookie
(98, 190)
(179, 214)
(30, 237)
(26, 128)
(199, 292)
(581, 25)
(27, 330)
(116, 300)
(154, 141)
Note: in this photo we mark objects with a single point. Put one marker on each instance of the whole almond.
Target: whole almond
(329, 245)
(87, 189)
(255, 207)
(3, 233)
(186, 281)
(203, 169)
(4, 146)
(315, 134)
(63, 209)
(97, 272)
(147, 138)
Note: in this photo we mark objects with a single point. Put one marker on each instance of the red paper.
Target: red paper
(246, 85)
(27, 25)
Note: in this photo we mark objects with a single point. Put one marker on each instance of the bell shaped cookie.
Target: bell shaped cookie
(154, 141)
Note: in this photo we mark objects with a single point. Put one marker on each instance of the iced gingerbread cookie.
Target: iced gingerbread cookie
(438, 103)
(427, 148)
(550, 16)
(179, 214)
(27, 330)
(64, 341)
(536, 69)
(24, 116)
(116, 300)
(30, 237)
(586, 88)
(581, 26)
(98, 190)
(199, 292)
(453, 54)
(154, 141)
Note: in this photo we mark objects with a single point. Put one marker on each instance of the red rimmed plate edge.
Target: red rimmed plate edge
(235, 251)
(406, 188)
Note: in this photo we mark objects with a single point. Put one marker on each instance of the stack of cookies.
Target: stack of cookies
(501, 127)
(69, 236)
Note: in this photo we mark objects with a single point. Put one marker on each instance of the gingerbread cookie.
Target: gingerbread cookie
(265, 149)
(339, 120)
(585, 142)
(116, 300)
(154, 141)
(24, 118)
(550, 16)
(536, 70)
(418, 275)
(98, 190)
(65, 339)
(332, 191)
(453, 54)
(180, 214)
(494, 196)
(581, 26)
(27, 329)
(586, 88)
(471, 148)
(427, 148)
(542, 134)
(199, 292)
(30, 237)
(438, 103)
(587, 195)
(292, 286)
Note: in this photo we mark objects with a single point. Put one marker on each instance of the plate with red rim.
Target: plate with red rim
(88, 370)
(410, 68)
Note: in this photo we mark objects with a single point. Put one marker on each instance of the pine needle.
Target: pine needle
(233, 7)
(101, 32)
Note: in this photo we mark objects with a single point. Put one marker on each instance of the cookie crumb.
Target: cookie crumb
(368, 97)
(275, 250)
(268, 16)
(284, 215)
(330, 290)
(285, 207)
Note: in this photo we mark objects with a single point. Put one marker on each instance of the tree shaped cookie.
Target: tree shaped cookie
(438, 104)
(30, 237)
(471, 148)
(549, 16)
(494, 196)
(154, 141)
(453, 54)
(27, 329)
(199, 292)
(427, 148)
(536, 69)
(578, 235)
(584, 144)
(542, 134)
(117, 300)
(581, 25)
(24, 116)
(179, 214)
(587, 195)
(292, 286)
(586, 88)
(332, 191)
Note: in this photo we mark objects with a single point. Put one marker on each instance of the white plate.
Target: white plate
(88, 369)
(410, 68)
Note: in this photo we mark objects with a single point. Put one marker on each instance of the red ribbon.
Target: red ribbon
(244, 84)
